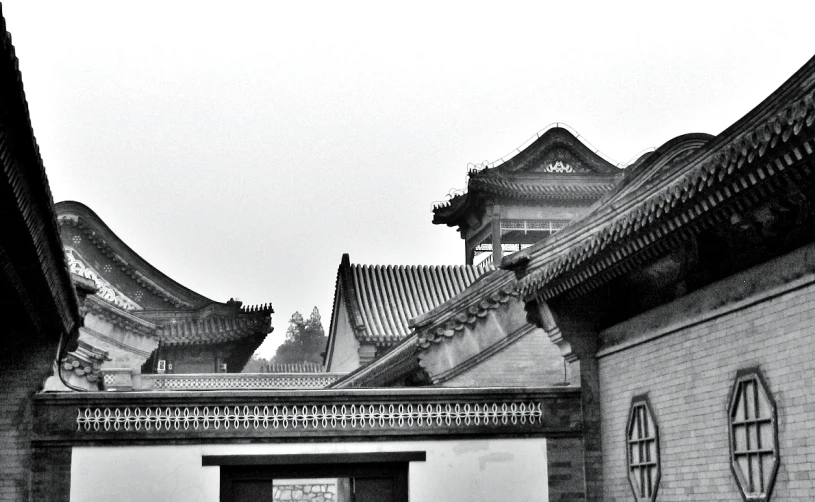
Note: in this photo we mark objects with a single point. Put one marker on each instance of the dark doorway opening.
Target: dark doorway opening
(315, 478)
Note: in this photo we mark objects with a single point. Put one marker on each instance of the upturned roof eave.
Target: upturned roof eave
(129, 257)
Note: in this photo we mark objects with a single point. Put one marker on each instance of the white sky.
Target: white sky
(242, 147)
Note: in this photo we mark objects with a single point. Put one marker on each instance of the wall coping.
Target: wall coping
(175, 417)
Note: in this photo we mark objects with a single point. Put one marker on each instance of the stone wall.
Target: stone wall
(322, 490)
(685, 359)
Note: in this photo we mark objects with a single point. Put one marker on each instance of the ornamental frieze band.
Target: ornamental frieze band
(318, 414)
(371, 416)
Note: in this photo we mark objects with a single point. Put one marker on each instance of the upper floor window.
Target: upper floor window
(753, 435)
(642, 440)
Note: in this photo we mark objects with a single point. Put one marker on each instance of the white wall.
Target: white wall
(345, 356)
(465, 471)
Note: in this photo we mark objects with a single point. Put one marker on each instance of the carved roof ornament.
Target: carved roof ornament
(104, 289)
(558, 167)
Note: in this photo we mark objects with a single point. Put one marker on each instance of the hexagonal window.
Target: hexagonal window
(753, 435)
(642, 438)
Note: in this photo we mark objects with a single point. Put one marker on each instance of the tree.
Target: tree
(305, 340)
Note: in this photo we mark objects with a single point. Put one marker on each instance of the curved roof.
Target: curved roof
(556, 166)
(544, 151)
(185, 317)
(381, 299)
(79, 215)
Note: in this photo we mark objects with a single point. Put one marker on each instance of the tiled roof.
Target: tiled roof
(529, 189)
(189, 319)
(209, 326)
(76, 214)
(380, 300)
(583, 175)
(672, 197)
(466, 309)
(33, 261)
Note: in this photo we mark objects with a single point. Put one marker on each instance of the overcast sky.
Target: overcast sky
(242, 147)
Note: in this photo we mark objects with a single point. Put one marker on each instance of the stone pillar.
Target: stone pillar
(497, 252)
(468, 254)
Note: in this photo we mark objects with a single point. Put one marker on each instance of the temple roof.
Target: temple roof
(380, 300)
(556, 166)
(210, 325)
(672, 190)
(137, 268)
(135, 295)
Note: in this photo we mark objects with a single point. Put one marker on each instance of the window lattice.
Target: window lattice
(753, 436)
(545, 226)
(642, 440)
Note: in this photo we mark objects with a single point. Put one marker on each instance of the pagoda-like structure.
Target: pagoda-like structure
(509, 206)
(140, 321)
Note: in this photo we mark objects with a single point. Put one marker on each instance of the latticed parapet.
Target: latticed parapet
(324, 414)
(229, 381)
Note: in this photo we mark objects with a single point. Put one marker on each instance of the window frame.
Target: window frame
(642, 402)
(755, 375)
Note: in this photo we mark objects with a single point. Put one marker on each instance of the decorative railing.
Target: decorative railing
(124, 380)
(344, 416)
(298, 415)
(253, 381)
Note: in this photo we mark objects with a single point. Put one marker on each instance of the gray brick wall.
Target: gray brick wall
(529, 361)
(688, 375)
(564, 458)
(23, 368)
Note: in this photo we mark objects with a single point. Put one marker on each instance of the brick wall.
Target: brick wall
(532, 360)
(689, 371)
(51, 474)
(23, 368)
(564, 458)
